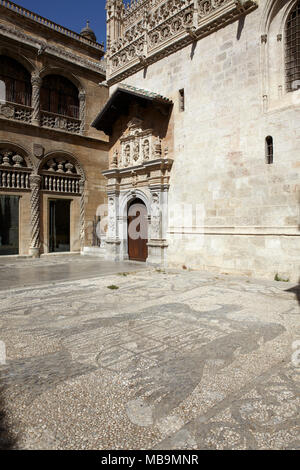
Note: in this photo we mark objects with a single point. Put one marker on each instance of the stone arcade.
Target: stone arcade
(49, 154)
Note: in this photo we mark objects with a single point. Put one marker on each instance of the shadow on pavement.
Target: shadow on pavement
(7, 441)
(296, 290)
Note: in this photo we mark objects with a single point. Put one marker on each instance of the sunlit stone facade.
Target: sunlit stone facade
(230, 202)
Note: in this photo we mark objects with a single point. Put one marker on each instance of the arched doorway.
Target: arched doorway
(137, 230)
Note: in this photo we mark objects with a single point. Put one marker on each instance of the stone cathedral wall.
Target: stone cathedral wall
(248, 218)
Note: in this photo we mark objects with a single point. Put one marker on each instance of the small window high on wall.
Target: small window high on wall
(269, 149)
(181, 100)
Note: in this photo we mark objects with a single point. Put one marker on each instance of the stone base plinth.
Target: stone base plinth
(112, 249)
(94, 251)
(157, 253)
(34, 252)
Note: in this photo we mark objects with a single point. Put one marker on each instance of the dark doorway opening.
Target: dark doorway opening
(9, 225)
(59, 225)
(137, 231)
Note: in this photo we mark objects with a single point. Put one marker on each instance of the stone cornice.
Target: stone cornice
(284, 231)
(159, 40)
(43, 47)
(18, 10)
(53, 132)
(159, 164)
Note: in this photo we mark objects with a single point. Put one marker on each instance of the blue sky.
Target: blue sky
(71, 13)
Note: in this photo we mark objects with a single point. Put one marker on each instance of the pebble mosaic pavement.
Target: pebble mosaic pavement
(170, 360)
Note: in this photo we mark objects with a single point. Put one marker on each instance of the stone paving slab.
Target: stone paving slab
(169, 360)
(21, 272)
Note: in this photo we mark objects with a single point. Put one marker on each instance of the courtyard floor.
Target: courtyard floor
(117, 356)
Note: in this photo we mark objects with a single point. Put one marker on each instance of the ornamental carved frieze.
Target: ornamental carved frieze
(152, 29)
(136, 147)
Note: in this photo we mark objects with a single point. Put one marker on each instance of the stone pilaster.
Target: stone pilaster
(113, 241)
(36, 83)
(35, 183)
(157, 244)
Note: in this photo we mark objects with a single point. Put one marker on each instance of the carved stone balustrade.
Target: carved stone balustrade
(60, 176)
(17, 112)
(11, 178)
(14, 173)
(57, 121)
(62, 184)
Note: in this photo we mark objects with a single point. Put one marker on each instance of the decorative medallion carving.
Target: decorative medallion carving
(38, 150)
(7, 111)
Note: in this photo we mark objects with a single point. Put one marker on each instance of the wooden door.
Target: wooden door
(137, 231)
(59, 225)
(9, 225)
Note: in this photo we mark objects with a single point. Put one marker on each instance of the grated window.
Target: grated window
(292, 57)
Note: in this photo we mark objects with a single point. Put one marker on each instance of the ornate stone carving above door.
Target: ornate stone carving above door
(137, 145)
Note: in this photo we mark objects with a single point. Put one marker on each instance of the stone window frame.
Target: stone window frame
(75, 81)
(290, 82)
(275, 94)
(269, 143)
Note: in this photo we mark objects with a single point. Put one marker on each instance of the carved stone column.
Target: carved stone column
(35, 182)
(82, 107)
(82, 215)
(36, 82)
